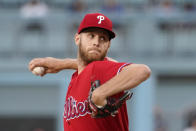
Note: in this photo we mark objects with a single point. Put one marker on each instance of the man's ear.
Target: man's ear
(77, 39)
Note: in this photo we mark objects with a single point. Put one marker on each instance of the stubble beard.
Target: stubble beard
(87, 58)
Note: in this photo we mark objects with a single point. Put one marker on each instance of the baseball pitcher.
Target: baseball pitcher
(97, 94)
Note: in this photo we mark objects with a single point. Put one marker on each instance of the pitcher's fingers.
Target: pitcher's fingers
(35, 63)
(49, 71)
(43, 74)
(31, 66)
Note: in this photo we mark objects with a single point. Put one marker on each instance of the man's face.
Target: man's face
(93, 44)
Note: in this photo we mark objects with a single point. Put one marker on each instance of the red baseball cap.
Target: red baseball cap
(96, 20)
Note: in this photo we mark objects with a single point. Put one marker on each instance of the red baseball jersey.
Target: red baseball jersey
(77, 117)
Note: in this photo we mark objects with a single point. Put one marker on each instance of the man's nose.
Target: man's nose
(96, 41)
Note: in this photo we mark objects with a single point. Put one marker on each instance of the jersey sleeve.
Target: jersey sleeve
(105, 70)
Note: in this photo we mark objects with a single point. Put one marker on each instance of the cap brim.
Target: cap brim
(111, 33)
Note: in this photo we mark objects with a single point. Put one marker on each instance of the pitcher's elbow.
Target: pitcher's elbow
(146, 71)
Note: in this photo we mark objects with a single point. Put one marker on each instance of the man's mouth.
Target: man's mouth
(97, 51)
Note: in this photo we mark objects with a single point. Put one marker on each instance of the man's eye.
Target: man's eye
(91, 35)
(102, 38)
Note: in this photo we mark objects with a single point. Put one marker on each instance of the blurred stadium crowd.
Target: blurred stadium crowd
(159, 33)
(172, 24)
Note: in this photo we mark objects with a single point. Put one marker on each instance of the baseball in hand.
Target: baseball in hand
(38, 71)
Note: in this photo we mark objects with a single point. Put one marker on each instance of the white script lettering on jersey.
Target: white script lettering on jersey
(100, 17)
(74, 109)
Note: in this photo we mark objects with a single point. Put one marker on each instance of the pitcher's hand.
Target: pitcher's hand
(51, 65)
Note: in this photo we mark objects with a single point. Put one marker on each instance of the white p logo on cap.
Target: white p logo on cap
(100, 17)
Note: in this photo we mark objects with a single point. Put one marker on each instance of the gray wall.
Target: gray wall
(139, 40)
